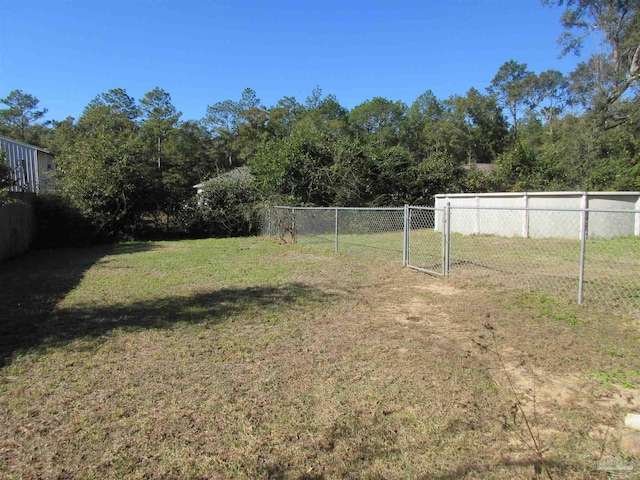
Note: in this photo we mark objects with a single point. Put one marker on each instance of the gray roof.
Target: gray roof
(18, 142)
(240, 173)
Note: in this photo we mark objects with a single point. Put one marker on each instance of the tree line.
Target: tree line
(128, 167)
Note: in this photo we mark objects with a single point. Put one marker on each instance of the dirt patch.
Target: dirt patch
(440, 288)
(550, 391)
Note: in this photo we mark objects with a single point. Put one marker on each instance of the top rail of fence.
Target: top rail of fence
(545, 209)
(394, 209)
(422, 207)
(468, 207)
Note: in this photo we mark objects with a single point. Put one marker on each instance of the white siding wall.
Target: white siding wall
(543, 224)
(31, 167)
(46, 171)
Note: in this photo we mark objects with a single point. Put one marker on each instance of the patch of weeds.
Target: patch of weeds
(613, 353)
(625, 378)
(548, 307)
(568, 318)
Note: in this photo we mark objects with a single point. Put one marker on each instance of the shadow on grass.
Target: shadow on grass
(211, 307)
(32, 285)
(361, 458)
(559, 468)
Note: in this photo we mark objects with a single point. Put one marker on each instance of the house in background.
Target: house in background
(31, 168)
(238, 175)
(485, 168)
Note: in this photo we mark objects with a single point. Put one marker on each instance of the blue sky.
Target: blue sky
(66, 52)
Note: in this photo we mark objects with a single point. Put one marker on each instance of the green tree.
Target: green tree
(352, 173)
(424, 112)
(378, 120)
(391, 176)
(5, 178)
(298, 168)
(617, 24)
(158, 132)
(326, 115)
(118, 102)
(437, 173)
(190, 151)
(156, 106)
(367, 175)
(550, 96)
(513, 88)
(159, 118)
(221, 117)
(474, 130)
(252, 130)
(333, 116)
(313, 100)
(594, 158)
(103, 171)
(521, 169)
(591, 81)
(21, 115)
(237, 127)
(283, 116)
(226, 116)
(466, 129)
(598, 148)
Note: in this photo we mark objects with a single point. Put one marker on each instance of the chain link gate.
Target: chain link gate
(427, 239)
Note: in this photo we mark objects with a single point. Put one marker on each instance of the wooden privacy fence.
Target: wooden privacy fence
(17, 224)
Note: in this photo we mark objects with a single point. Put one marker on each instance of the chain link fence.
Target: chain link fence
(544, 251)
(612, 265)
(372, 232)
(542, 265)
(556, 257)
(375, 233)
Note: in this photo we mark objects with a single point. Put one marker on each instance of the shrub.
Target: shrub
(225, 209)
(60, 225)
(5, 179)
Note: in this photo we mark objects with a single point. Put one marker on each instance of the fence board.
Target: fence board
(16, 225)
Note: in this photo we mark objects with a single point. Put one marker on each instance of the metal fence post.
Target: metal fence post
(336, 247)
(525, 215)
(293, 224)
(636, 229)
(446, 240)
(405, 237)
(584, 226)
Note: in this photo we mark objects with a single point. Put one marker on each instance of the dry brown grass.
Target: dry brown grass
(248, 359)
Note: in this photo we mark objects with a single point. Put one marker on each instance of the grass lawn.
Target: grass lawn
(245, 358)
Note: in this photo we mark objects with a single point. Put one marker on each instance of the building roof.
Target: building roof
(41, 149)
(485, 168)
(539, 194)
(240, 173)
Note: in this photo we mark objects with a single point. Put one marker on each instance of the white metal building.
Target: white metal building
(31, 168)
(543, 214)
